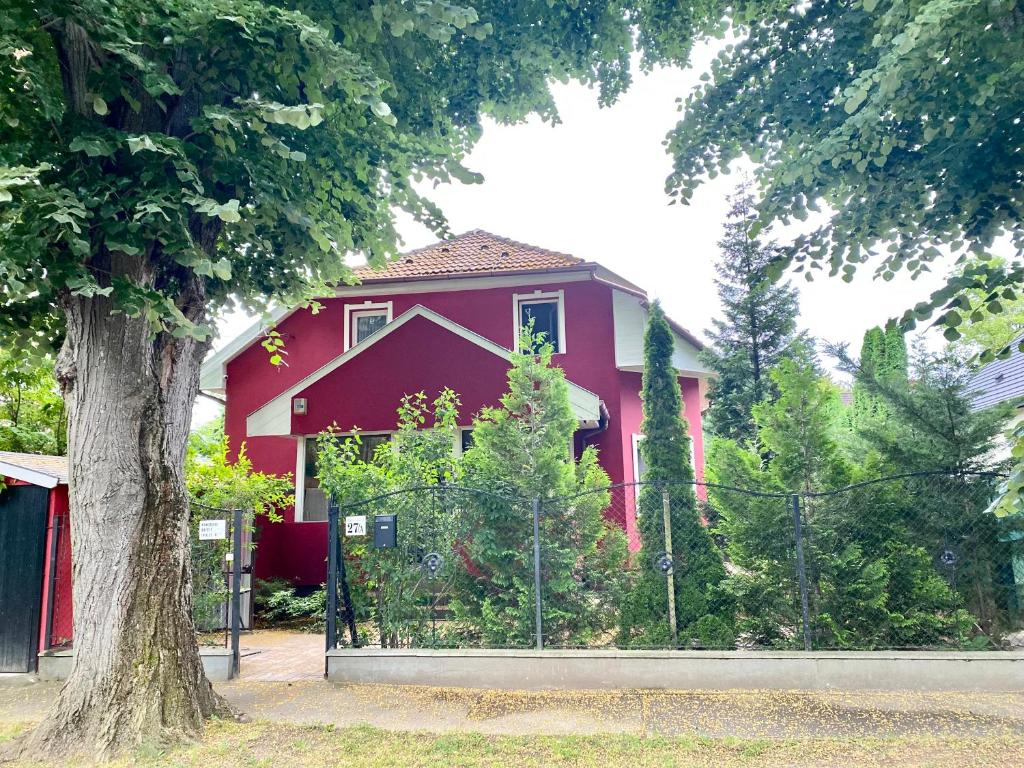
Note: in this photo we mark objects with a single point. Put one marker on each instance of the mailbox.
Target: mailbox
(385, 532)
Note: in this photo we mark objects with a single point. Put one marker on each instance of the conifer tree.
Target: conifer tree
(758, 328)
(701, 610)
(520, 452)
(883, 356)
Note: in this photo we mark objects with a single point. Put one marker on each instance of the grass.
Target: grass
(273, 745)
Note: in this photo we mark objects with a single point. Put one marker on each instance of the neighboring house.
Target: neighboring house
(35, 558)
(1001, 381)
(998, 382)
(442, 316)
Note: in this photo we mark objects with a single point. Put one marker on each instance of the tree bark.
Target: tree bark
(137, 676)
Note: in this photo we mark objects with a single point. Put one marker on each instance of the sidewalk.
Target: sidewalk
(742, 714)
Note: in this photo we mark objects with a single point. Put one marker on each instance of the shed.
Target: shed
(35, 558)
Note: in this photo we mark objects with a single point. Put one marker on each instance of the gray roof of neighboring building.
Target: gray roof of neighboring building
(1001, 381)
(39, 469)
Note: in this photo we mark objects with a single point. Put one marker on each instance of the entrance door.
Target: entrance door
(22, 548)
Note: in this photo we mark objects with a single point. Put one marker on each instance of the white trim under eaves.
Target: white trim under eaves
(27, 475)
(275, 416)
(214, 368)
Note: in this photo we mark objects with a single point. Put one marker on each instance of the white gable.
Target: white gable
(630, 323)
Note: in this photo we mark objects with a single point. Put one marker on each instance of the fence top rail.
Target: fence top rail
(195, 503)
(446, 488)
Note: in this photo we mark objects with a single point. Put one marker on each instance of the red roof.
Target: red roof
(472, 253)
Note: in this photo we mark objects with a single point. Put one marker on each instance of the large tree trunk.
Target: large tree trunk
(137, 676)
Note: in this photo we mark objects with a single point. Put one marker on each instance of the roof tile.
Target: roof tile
(473, 252)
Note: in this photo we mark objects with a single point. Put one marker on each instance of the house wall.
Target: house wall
(365, 392)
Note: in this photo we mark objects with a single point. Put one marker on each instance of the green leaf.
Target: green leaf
(229, 212)
(99, 106)
(222, 269)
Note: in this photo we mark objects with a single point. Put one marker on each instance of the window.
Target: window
(310, 500)
(640, 466)
(364, 320)
(547, 311)
(466, 438)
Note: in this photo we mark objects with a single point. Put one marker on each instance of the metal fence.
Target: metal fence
(221, 554)
(910, 561)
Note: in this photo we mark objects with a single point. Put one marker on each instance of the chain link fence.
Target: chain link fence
(911, 562)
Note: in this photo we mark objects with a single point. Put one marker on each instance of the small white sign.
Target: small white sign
(211, 530)
(355, 525)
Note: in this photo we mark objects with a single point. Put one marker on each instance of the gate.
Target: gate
(22, 547)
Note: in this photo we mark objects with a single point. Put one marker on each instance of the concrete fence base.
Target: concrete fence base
(56, 664)
(682, 670)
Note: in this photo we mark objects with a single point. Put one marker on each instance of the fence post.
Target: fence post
(332, 577)
(236, 592)
(801, 570)
(536, 574)
(666, 512)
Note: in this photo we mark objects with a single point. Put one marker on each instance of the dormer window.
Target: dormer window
(364, 320)
(547, 311)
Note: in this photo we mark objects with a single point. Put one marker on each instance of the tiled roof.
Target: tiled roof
(53, 466)
(472, 253)
(1000, 381)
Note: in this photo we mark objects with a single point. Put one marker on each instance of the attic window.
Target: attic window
(364, 320)
(547, 311)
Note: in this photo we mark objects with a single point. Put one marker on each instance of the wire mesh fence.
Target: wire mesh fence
(913, 561)
(217, 559)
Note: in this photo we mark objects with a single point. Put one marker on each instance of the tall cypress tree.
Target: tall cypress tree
(758, 328)
(702, 612)
(883, 356)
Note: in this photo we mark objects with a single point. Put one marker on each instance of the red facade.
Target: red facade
(455, 343)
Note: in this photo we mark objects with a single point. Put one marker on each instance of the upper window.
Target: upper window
(364, 320)
(547, 311)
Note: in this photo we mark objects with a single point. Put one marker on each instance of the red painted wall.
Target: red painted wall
(420, 356)
(61, 632)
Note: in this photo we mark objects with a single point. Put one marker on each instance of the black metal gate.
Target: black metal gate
(22, 550)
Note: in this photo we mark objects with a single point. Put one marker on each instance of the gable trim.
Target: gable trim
(26, 475)
(275, 416)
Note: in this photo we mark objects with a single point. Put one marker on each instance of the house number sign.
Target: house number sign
(355, 525)
(211, 530)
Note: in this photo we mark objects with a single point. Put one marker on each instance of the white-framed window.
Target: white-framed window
(640, 467)
(364, 320)
(547, 310)
(310, 500)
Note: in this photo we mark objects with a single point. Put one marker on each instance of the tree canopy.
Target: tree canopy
(252, 144)
(902, 116)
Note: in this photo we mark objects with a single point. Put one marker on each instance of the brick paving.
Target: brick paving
(276, 656)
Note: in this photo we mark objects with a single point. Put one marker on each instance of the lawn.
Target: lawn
(265, 745)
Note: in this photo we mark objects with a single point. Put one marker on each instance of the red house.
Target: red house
(444, 315)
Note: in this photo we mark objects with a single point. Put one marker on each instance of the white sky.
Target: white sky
(593, 186)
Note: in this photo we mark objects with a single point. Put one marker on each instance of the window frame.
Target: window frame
(300, 470)
(638, 436)
(354, 311)
(539, 297)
